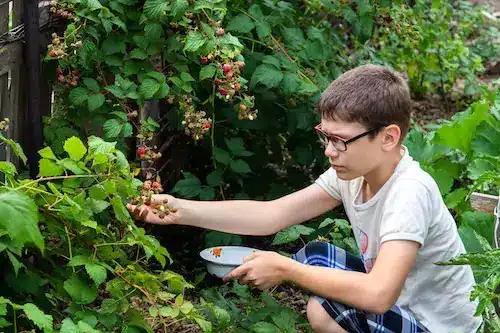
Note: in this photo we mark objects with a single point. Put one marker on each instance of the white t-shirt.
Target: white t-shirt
(409, 206)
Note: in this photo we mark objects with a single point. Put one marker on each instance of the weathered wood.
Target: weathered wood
(483, 202)
(4, 78)
(33, 118)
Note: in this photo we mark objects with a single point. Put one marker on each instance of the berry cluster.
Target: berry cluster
(59, 9)
(195, 123)
(4, 125)
(162, 209)
(147, 154)
(70, 79)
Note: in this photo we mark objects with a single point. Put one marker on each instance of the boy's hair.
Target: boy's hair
(371, 95)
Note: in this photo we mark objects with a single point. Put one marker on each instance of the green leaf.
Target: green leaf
(263, 327)
(95, 101)
(149, 87)
(99, 146)
(75, 148)
(15, 263)
(138, 54)
(79, 291)
(47, 153)
(186, 77)
(237, 147)
(160, 77)
(78, 95)
(19, 218)
(263, 29)
(92, 4)
(111, 46)
(487, 139)
(96, 272)
(473, 241)
(205, 325)
(240, 166)
(91, 84)
(97, 206)
(121, 212)
(4, 323)
(154, 31)
(178, 8)
(294, 37)
(112, 128)
(326, 222)
(285, 321)
(221, 156)
(68, 326)
(49, 168)
(482, 223)
(271, 60)
(215, 178)
(155, 8)
(7, 168)
(37, 316)
(478, 167)
(291, 234)
(241, 23)
(79, 260)
(194, 41)
(267, 75)
(443, 179)
(207, 72)
(207, 193)
(167, 311)
(188, 187)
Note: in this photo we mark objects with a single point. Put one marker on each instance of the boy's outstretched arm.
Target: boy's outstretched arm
(244, 217)
(375, 292)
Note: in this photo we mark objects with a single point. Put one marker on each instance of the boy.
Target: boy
(399, 219)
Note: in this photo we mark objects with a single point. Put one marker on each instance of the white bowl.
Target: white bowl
(230, 258)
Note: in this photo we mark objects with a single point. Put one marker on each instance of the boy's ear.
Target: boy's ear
(390, 136)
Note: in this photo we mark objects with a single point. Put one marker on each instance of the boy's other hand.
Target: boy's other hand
(152, 213)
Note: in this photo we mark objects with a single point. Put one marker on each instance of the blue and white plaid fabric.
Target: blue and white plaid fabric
(396, 320)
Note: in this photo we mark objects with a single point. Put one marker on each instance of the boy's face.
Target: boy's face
(360, 157)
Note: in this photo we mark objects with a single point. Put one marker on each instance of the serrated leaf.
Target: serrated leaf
(99, 146)
(149, 87)
(113, 45)
(49, 168)
(153, 31)
(267, 75)
(160, 77)
(78, 96)
(271, 60)
(138, 54)
(4, 323)
(91, 84)
(240, 166)
(95, 101)
(16, 264)
(68, 326)
(205, 325)
(127, 130)
(178, 8)
(188, 187)
(263, 29)
(79, 291)
(478, 167)
(7, 168)
(121, 212)
(112, 128)
(92, 4)
(285, 321)
(291, 234)
(71, 165)
(79, 260)
(47, 153)
(37, 316)
(97, 206)
(207, 193)
(326, 222)
(487, 139)
(75, 148)
(194, 41)
(90, 224)
(167, 311)
(207, 72)
(221, 156)
(215, 178)
(241, 23)
(96, 272)
(155, 8)
(263, 327)
(237, 147)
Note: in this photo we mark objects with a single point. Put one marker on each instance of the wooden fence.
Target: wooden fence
(25, 96)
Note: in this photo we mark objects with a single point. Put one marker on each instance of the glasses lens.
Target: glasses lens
(322, 138)
(339, 144)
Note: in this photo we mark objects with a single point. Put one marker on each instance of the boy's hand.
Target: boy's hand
(153, 214)
(263, 269)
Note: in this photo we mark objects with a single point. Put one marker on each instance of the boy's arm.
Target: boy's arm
(246, 217)
(375, 292)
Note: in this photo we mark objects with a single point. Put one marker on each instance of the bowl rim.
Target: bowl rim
(206, 258)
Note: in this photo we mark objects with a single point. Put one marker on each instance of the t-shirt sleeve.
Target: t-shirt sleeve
(407, 212)
(329, 182)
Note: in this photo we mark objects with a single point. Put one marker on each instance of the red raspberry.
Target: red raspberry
(61, 78)
(226, 68)
(223, 91)
(203, 60)
(156, 185)
(59, 71)
(53, 53)
(141, 150)
(220, 32)
(207, 125)
(217, 82)
(229, 74)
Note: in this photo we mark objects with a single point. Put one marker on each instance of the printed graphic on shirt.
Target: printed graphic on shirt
(363, 245)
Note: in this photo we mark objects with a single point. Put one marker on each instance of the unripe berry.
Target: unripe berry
(243, 107)
(220, 32)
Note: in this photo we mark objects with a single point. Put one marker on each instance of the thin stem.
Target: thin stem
(56, 178)
(15, 319)
(117, 243)
(69, 246)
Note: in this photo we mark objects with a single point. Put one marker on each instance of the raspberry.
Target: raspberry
(53, 53)
(74, 83)
(61, 78)
(226, 68)
(223, 91)
(220, 32)
(241, 64)
(229, 74)
(243, 107)
(203, 60)
(217, 82)
(59, 71)
(207, 125)
(141, 151)
(156, 185)
(147, 185)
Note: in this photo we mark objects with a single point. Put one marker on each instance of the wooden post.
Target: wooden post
(4, 78)
(33, 119)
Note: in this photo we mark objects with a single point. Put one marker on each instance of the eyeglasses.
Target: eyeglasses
(337, 142)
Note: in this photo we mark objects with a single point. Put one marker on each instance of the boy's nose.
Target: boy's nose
(330, 150)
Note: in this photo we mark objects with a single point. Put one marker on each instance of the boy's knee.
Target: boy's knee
(320, 320)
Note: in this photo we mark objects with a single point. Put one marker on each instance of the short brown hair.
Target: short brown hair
(371, 95)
